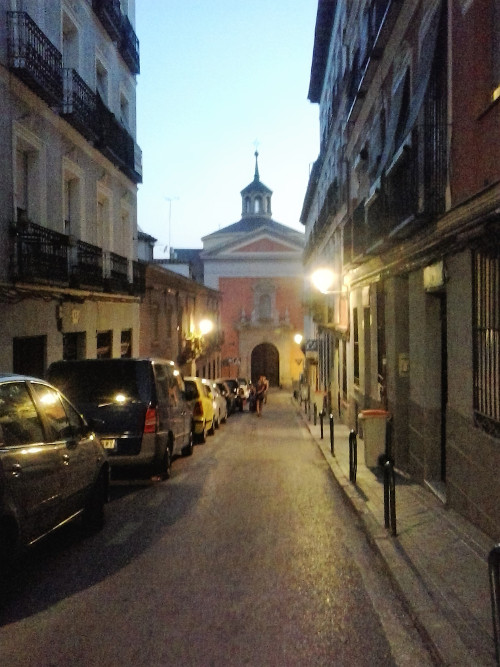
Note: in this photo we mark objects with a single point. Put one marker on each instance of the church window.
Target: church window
(265, 307)
(258, 205)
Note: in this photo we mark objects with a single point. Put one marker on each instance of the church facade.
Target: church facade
(256, 264)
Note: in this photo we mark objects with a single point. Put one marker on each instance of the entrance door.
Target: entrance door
(29, 356)
(266, 361)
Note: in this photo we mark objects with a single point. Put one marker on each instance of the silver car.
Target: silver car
(53, 468)
(220, 404)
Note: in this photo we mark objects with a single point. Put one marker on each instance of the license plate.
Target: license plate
(108, 443)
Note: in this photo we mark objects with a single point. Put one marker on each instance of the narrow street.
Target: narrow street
(248, 555)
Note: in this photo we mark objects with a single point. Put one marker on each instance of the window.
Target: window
(101, 74)
(486, 338)
(124, 111)
(356, 344)
(70, 50)
(126, 343)
(104, 345)
(19, 420)
(265, 307)
(53, 410)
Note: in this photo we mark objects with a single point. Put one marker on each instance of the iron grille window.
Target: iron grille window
(486, 333)
(356, 344)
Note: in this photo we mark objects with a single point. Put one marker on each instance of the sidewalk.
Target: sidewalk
(438, 560)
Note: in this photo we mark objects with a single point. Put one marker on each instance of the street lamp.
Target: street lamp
(298, 338)
(323, 279)
(206, 326)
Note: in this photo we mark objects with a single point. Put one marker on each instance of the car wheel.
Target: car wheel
(202, 437)
(224, 419)
(187, 450)
(217, 421)
(165, 470)
(93, 514)
(211, 430)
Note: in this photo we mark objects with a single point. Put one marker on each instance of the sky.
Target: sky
(216, 77)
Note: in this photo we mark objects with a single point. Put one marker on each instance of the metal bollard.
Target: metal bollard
(332, 443)
(494, 576)
(321, 415)
(305, 406)
(390, 496)
(353, 456)
(315, 414)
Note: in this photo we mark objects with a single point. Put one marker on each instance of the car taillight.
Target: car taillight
(198, 409)
(150, 421)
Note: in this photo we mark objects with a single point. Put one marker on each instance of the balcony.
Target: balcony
(115, 142)
(79, 104)
(116, 272)
(33, 58)
(39, 254)
(129, 46)
(109, 14)
(43, 256)
(87, 271)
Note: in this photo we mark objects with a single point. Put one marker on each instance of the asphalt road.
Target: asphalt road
(248, 555)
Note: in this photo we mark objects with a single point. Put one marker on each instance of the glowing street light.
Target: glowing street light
(298, 338)
(323, 279)
(206, 327)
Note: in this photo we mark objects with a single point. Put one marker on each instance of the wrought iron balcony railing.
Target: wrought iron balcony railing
(39, 254)
(115, 142)
(80, 104)
(88, 268)
(129, 46)
(116, 272)
(33, 57)
(43, 256)
(109, 14)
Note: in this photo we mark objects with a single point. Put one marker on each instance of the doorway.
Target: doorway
(265, 361)
(30, 356)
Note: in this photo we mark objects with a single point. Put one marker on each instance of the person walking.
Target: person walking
(260, 392)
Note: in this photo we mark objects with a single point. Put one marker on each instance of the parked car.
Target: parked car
(220, 405)
(227, 393)
(238, 392)
(52, 466)
(200, 394)
(143, 418)
(245, 385)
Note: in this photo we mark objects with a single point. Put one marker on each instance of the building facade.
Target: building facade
(256, 265)
(70, 281)
(172, 317)
(403, 206)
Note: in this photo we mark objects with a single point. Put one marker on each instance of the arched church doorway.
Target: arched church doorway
(266, 361)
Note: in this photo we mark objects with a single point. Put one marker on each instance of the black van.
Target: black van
(138, 407)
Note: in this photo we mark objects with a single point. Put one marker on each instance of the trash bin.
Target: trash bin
(374, 429)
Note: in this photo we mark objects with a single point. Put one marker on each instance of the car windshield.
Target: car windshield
(90, 381)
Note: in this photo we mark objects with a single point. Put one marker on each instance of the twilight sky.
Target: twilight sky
(217, 75)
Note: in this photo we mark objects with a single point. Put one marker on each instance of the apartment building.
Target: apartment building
(403, 206)
(70, 281)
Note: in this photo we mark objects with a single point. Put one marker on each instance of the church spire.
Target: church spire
(256, 175)
(256, 197)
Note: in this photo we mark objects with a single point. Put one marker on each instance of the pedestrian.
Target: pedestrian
(260, 392)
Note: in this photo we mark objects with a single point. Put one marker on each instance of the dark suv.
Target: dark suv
(52, 466)
(139, 407)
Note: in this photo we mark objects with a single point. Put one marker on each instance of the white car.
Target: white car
(220, 404)
(245, 385)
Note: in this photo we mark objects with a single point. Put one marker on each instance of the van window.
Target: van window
(162, 383)
(100, 380)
